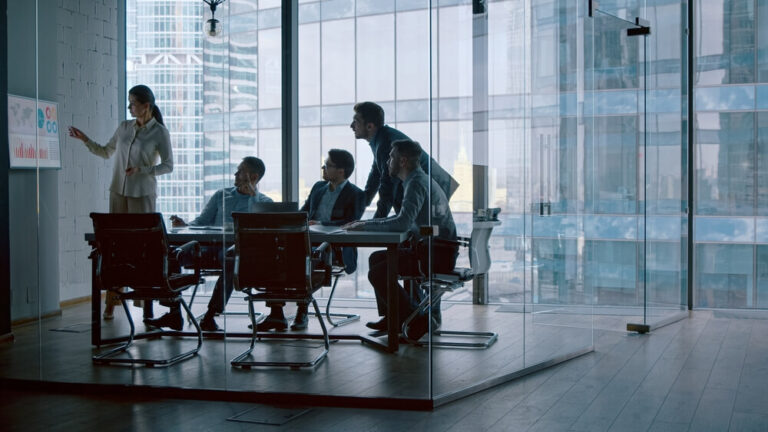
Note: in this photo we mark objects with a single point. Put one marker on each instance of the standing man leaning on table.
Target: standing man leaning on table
(138, 143)
(417, 203)
(217, 212)
(332, 201)
(368, 124)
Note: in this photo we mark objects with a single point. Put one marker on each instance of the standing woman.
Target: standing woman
(139, 143)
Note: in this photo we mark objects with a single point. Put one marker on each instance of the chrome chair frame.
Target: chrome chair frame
(440, 284)
(125, 242)
(267, 272)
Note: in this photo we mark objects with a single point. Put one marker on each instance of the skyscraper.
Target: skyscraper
(164, 51)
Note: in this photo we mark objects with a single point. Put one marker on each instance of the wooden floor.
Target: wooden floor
(705, 373)
(352, 369)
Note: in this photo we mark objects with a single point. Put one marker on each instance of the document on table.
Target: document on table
(326, 229)
(205, 228)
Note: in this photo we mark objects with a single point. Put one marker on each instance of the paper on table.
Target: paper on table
(326, 229)
(205, 227)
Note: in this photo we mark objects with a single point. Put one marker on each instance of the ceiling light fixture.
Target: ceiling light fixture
(212, 26)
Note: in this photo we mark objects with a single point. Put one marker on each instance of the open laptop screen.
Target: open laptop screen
(274, 207)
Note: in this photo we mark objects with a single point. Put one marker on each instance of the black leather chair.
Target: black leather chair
(132, 252)
(480, 262)
(274, 262)
(213, 266)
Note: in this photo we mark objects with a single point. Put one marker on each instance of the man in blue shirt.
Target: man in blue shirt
(217, 212)
(368, 124)
(332, 201)
(417, 204)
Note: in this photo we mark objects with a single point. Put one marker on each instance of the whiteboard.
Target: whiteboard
(33, 133)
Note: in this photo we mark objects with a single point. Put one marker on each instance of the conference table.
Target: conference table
(212, 236)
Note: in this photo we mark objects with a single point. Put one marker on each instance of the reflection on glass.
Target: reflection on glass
(725, 166)
(724, 276)
(725, 52)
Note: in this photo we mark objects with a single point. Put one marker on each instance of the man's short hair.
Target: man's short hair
(342, 159)
(408, 149)
(255, 166)
(371, 113)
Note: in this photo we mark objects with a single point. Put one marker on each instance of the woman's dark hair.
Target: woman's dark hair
(143, 94)
(342, 159)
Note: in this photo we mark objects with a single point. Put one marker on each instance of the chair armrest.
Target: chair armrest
(321, 260)
(318, 251)
(186, 248)
(193, 248)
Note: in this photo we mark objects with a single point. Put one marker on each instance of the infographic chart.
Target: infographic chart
(33, 133)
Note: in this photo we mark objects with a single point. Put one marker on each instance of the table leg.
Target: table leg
(95, 306)
(393, 303)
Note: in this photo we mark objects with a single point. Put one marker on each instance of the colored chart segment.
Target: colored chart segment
(33, 133)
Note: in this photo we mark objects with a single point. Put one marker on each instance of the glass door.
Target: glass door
(634, 256)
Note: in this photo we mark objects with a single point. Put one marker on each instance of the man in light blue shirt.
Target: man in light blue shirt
(218, 211)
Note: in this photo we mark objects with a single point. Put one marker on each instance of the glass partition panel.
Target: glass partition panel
(350, 52)
(167, 51)
(558, 304)
(634, 165)
(32, 300)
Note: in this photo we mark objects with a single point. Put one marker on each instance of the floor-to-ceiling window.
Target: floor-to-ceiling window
(731, 85)
(164, 50)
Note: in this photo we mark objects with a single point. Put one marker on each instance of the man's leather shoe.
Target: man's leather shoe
(301, 321)
(377, 325)
(170, 320)
(208, 325)
(270, 323)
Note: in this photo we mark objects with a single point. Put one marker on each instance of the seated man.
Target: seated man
(332, 201)
(228, 200)
(415, 212)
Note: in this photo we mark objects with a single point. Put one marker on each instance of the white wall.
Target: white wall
(73, 60)
(87, 92)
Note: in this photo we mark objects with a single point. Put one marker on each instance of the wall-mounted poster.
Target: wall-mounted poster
(33, 133)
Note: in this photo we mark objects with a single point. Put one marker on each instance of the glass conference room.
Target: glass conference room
(567, 116)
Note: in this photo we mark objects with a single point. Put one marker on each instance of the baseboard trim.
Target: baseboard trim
(74, 301)
(7, 338)
(143, 391)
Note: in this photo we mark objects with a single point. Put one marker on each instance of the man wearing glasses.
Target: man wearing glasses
(332, 201)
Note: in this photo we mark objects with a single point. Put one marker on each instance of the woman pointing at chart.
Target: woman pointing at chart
(139, 143)
(143, 152)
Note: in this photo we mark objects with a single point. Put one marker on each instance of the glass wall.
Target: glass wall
(576, 126)
(26, 222)
(730, 143)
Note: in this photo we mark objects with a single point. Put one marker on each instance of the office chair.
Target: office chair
(212, 267)
(480, 262)
(132, 251)
(275, 263)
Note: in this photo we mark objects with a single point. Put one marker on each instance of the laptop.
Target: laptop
(275, 207)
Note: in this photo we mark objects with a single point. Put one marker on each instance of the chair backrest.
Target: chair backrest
(275, 207)
(479, 250)
(132, 249)
(272, 251)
